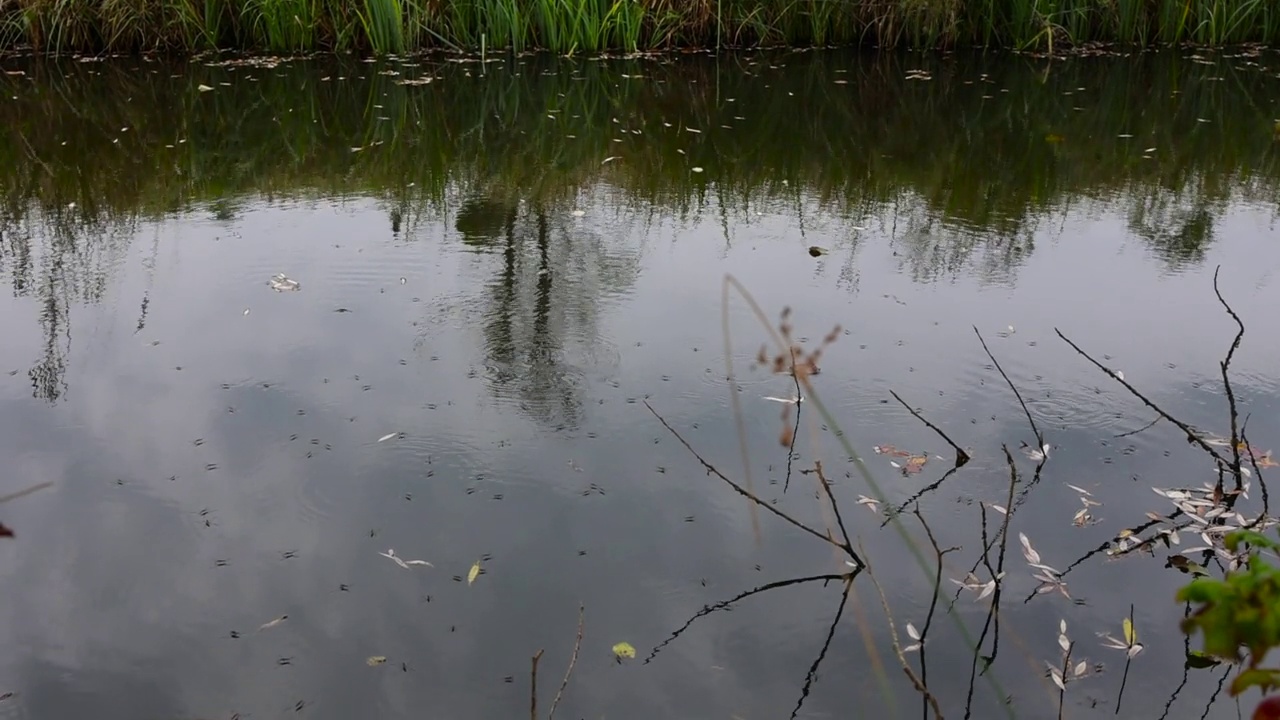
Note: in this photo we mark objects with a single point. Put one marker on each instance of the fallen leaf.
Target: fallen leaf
(624, 650)
(273, 623)
(474, 573)
(387, 437)
(375, 660)
(203, 88)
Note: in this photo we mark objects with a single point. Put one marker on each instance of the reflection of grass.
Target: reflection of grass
(592, 25)
(977, 148)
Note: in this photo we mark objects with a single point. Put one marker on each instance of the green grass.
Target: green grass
(589, 26)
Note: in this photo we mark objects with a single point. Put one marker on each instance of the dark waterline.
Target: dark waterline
(479, 276)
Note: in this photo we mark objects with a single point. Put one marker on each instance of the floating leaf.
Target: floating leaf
(273, 623)
(387, 437)
(624, 650)
(406, 564)
(1199, 661)
(375, 660)
(474, 572)
(203, 88)
(1028, 552)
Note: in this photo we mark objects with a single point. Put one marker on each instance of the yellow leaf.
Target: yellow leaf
(624, 650)
(475, 573)
(375, 660)
(1130, 637)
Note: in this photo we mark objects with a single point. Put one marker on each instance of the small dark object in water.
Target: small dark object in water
(816, 251)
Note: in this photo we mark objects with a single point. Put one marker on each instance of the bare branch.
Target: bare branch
(1226, 382)
(1034, 430)
(533, 687)
(962, 457)
(723, 604)
(750, 495)
(577, 644)
(897, 649)
(1192, 437)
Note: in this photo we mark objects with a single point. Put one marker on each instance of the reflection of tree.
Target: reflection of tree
(540, 324)
(50, 258)
(1177, 226)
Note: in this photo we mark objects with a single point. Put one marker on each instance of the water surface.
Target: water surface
(498, 264)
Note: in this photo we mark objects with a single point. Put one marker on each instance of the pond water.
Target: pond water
(498, 263)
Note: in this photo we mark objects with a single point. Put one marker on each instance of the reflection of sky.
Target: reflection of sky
(115, 602)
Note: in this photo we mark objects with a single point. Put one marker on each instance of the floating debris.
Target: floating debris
(283, 283)
(624, 650)
(473, 573)
(273, 623)
(1130, 644)
(388, 436)
(406, 564)
(375, 660)
(971, 582)
(785, 401)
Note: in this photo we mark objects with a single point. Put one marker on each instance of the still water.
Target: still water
(497, 264)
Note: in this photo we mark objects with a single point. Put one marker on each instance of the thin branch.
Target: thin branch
(25, 491)
(993, 613)
(1214, 697)
(927, 699)
(533, 687)
(897, 649)
(1226, 381)
(1192, 437)
(835, 507)
(750, 495)
(1262, 483)
(812, 675)
(962, 457)
(1035, 430)
(918, 494)
(1108, 544)
(1148, 426)
(1186, 665)
(795, 432)
(1066, 668)
(577, 644)
(708, 609)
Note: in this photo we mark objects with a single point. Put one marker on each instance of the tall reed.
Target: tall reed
(575, 26)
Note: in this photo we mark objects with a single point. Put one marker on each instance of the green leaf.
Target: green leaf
(1264, 678)
(1199, 661)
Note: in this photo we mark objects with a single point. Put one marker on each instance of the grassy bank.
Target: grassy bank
(588, 26)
